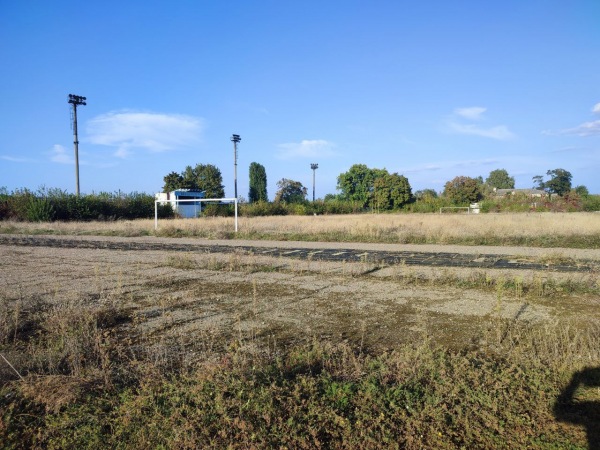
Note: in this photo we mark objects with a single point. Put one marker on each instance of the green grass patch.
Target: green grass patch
(316, 396)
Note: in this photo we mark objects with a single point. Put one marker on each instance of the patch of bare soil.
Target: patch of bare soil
(211, 299)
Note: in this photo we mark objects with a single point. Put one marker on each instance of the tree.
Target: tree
(462, 190)
(290, 191)
(582, 191)
(391, 191)
(358, 183)
(258, 183)
(559, 182)
(426, 194)
(172, 181)
(203, 177)
(500, 179)
(210, 180)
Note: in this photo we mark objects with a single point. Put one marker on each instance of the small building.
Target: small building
(186, 209)
(526, 192)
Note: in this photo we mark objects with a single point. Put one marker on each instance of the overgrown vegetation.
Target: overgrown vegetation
(78, 381)
(47, 205)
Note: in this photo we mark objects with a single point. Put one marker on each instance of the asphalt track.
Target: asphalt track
(377, 257)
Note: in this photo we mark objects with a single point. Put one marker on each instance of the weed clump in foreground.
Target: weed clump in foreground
(95, 389)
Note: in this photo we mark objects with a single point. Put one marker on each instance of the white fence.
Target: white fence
(234, 200)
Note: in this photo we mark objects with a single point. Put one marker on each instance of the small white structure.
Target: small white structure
(188, 209)
(474, 208)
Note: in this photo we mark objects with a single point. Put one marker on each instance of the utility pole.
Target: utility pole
(314, 167)
(76, 100)
(235, 139)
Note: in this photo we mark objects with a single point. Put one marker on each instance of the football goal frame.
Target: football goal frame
(199, 200)
(468, 209)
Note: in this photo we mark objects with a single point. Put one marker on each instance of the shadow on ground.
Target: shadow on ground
(578, 405)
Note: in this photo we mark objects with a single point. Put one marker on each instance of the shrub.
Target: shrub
(591, 203)
(40, 210)
(261, 208)
(216, 210)
(56, 204)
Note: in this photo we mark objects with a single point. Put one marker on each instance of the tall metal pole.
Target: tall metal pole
(314, 167)
(235, 139)
(76, 144)
(76, 100)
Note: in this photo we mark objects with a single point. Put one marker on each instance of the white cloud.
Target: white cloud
(425, 168)
(456, 124)
(306, 149)
(128, 130)
(471, 113)
(585, 129)
(499, 132)
(15, 159)
(59, 154)
(445, 165)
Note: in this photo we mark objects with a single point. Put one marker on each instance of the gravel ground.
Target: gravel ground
(192, 297)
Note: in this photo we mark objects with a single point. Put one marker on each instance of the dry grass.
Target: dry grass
(580, 230)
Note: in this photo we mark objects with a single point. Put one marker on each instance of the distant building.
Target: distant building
(527, 192)
(187, 209)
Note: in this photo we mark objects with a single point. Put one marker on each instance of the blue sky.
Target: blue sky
(428, 89)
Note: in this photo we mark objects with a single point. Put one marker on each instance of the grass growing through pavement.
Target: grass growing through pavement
(575, 230)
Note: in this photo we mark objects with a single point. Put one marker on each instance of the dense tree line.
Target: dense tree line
(360, 189)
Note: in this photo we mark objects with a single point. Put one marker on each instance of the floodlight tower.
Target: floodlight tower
(76, 100)
(314, 167)
(235, 139)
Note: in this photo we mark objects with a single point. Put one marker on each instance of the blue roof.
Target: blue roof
(189, 193)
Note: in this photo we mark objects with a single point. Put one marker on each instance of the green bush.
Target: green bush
(429, 204)
(16, 204)
(216, 210)
(336, 206)
(56, 204)
(40, 210)
(258, 209)
(591, 203)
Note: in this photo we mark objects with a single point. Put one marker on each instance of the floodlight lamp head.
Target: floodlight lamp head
(236, 138)
(77, 99)
(314, 166)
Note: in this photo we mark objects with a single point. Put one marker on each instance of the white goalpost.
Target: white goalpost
(473, 208)
(197, 200)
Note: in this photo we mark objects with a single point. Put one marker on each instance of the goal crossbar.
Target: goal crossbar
(200, 200)
(466, 208)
